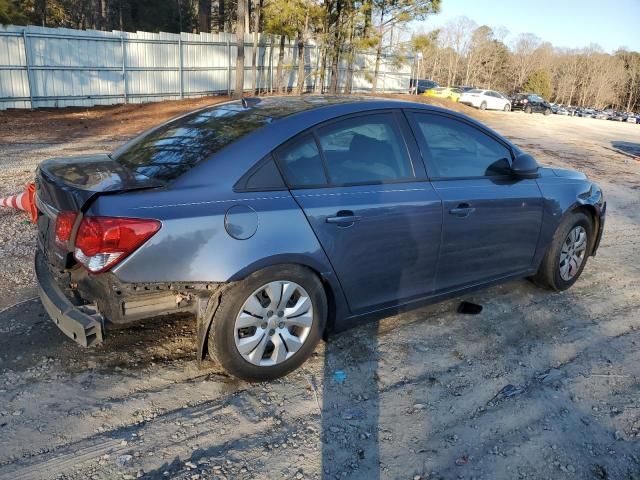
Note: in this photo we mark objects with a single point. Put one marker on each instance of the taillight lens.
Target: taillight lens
(64, 226)
(102, 242)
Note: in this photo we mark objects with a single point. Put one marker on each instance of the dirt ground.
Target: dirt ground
(539, 385)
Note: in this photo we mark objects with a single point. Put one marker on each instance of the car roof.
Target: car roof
(291, 117)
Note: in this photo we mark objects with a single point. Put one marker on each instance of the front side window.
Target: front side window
(365, 149)
(455, 149)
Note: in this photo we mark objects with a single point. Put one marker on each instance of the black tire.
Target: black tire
(528, 109)
(483, 106)
(548, 275)
(547, 111)
(221, 340)
(507, 107)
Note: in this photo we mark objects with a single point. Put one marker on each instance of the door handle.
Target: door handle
(343, 218)
(462, 210)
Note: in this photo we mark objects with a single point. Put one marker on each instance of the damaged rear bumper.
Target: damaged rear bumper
(82, 304)
(80, 323)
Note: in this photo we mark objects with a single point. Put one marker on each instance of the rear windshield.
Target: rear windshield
(174, 148)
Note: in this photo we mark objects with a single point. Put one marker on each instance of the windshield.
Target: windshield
(172, 149)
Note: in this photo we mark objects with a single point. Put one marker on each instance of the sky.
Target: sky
(565, 23)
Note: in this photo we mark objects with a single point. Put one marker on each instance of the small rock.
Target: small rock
(190, 465)
(124, 460)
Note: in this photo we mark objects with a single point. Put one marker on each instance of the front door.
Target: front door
(378, 222)
(491, 220)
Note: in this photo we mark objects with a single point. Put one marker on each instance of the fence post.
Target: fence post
(181, 66)
(228, 68)
(27, 60)
(124, 68)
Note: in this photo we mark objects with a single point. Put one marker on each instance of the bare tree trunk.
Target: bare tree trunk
(221, 14)
(204, 16)
(279, 79)
(254, 53)
(323, 69)
(240, 22)
(335, 62)
(376, 69)
(301, 69)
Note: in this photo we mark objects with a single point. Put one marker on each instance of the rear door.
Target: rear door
(367, 199)
(491, 220)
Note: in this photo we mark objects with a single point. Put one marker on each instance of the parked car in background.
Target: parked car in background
(562, 111)
(632, 119)
(485, 99)
(529, 103)
(618, 117)
(419, 86)
(600, 115)
(276, 221)
(449, 93)
(464, 88)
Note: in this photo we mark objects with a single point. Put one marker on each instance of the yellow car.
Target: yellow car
(450, 93)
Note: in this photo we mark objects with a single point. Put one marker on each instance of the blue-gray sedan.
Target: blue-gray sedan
(275, 221)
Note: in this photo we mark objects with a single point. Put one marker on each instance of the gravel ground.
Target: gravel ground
(539, 385)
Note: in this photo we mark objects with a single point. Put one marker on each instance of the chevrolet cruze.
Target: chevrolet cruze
(277, 221)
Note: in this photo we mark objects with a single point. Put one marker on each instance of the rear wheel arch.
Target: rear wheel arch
(208, 311)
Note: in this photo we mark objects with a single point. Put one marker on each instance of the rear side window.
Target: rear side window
(301, 163)
(263, 177)
(174, 148)
(455, 149)
(365, 149)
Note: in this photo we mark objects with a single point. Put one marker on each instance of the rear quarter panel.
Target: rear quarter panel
(193, 244)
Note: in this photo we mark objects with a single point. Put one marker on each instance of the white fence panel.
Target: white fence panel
(58, 67)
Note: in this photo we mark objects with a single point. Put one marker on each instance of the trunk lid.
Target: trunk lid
(70, 185)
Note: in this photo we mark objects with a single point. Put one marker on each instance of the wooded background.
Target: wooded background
(460, 53)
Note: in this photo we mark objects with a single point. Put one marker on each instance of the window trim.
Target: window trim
(410, 114)
(397, 117)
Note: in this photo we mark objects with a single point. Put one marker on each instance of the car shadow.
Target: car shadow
(629, 148)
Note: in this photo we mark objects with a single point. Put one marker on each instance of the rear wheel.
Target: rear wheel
(567, 255)
(483, 106)
(507, 107)
(269, 323)
(547, 111)
(528, 109)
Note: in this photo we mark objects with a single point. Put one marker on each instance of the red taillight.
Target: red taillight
(64, 226)
(102, 242)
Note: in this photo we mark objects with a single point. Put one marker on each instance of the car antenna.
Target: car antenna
(248, 102)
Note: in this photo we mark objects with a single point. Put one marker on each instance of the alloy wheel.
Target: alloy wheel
(573, 252)
(273, 323)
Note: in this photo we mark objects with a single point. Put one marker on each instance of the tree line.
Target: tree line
(460, 53)
(463, 53)
(340, 27)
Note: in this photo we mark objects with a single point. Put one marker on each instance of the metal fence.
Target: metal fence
(59, 67)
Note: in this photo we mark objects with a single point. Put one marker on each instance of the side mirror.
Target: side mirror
(525, 166)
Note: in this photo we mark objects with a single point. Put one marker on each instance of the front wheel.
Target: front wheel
(507, 107)
(547, 111)
(483, 106)
(269, 323)
(567, 255)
